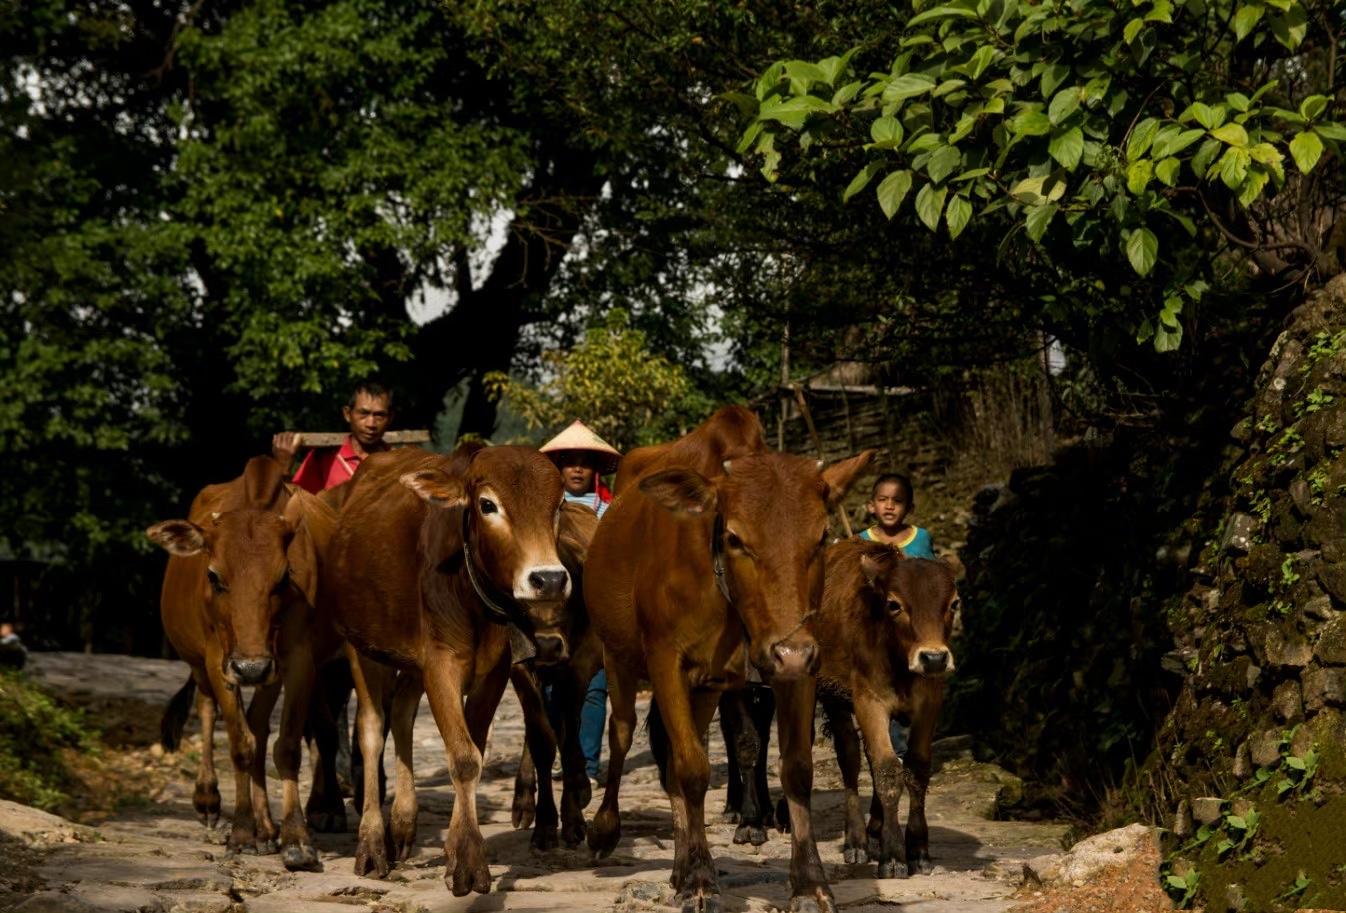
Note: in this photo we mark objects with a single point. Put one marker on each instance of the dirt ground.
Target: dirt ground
(146, 851)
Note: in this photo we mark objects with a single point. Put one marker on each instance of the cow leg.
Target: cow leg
(731, 728)
(606, 828)
(540, 749)
(762, 709)
(855, 848)
(326, 807)
(373, 683)
(297, 850)
(402, 824)
(576, 792)
(886, 767)
(464, 850)
(747, 748)
(243, 832)
(928, 700)
(808, 881)
(524, 809)
(686, 717)
(206, 796)
(259, 723)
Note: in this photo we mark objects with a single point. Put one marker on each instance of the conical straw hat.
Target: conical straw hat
(579, 437)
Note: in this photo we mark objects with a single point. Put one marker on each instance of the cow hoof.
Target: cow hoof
(731, 816)
(750, 833)
(544, 839)
(523, 811)
(700, 903)
(301, 859)
(892, 869)
(573, 830)
(371, 862)
(854, 855)
(811, 903)
(924, 867)
(464, 881)
(604, 832)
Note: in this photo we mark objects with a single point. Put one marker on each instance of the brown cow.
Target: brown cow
(438, 568)
(708, 566)
(237, 606)
(884, 634)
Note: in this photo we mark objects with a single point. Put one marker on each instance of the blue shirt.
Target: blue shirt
(590, 500)
(920, 545)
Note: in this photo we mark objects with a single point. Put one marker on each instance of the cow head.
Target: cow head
(772, 530)
(245, 573)
(918, 599)
(512, 497)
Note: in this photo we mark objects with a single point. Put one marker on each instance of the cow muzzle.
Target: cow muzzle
(794, 658)
(934, 662)
(551, 649)
(543, 582)
(250, 671)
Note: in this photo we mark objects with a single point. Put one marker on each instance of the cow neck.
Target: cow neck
(510, 614)
(721, 580)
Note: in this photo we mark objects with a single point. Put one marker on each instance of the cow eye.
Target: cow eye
(216, 583)
(733, 541)
(487, 506)
(894, 607)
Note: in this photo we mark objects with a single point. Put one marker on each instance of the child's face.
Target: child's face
(889, 505)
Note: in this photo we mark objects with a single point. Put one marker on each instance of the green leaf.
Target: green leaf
(1067, 147)
(1063, 104)
(1166, 339)
(1253, 185)
(949, 85)
(943, 162)
(1142, 249)
(1052, 76)
(979, 61)
(1031, 123)
(846, 94)
(1138, 175)
(907, 86)
(1173, 881)
(1204, 156)
(941, 12)
(1038, 218)
(1206, 116)
(1238, 101)
(1291, 27)
(1162, 12)
(805, 73)
(886, 131)
(1236, 822)
(1306, 149)
(957, 215)
(930, 204)
(1035, 190)
(1171, 143)
(861, 180)
(1294, 763)
(1265, 153)
(1167, 170)
(1233, 166)
(1233, 134)
(1141, 138)
(1332, 131)
(892, 191)
(1245, 19)
(1132, 30)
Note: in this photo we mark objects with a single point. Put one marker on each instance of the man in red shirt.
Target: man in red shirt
(368, 414)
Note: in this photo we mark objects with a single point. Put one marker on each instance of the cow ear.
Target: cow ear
(877, 564)
(680, 491)
(572, 538)
(436, 487)
(840, 477)
(178, 537)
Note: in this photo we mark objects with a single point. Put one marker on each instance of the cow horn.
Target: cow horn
(214, 516)
(725, 464)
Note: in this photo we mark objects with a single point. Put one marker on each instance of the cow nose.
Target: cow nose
(251, 671)
(791, 661)
(551, 648)
(934, 662)
(549, 584)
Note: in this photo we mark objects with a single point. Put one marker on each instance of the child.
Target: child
(889, 503)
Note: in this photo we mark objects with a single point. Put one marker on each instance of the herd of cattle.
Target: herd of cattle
(714, 570)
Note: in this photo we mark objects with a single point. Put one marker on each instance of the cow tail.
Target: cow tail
(654, 724)
(175, 716)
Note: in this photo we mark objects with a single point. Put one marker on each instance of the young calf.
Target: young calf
(883, 631)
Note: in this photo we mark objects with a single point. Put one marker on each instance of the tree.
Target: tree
(1087, 137)
(627, 394)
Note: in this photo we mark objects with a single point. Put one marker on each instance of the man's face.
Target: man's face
(577, 470)
(368, 418)
(889, 505)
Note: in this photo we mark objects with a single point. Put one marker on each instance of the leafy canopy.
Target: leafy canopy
(1099, 131)
(612, 382)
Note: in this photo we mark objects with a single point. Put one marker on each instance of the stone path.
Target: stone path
(157, 857)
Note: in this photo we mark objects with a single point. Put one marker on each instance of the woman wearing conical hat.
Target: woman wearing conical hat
(584, 458)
